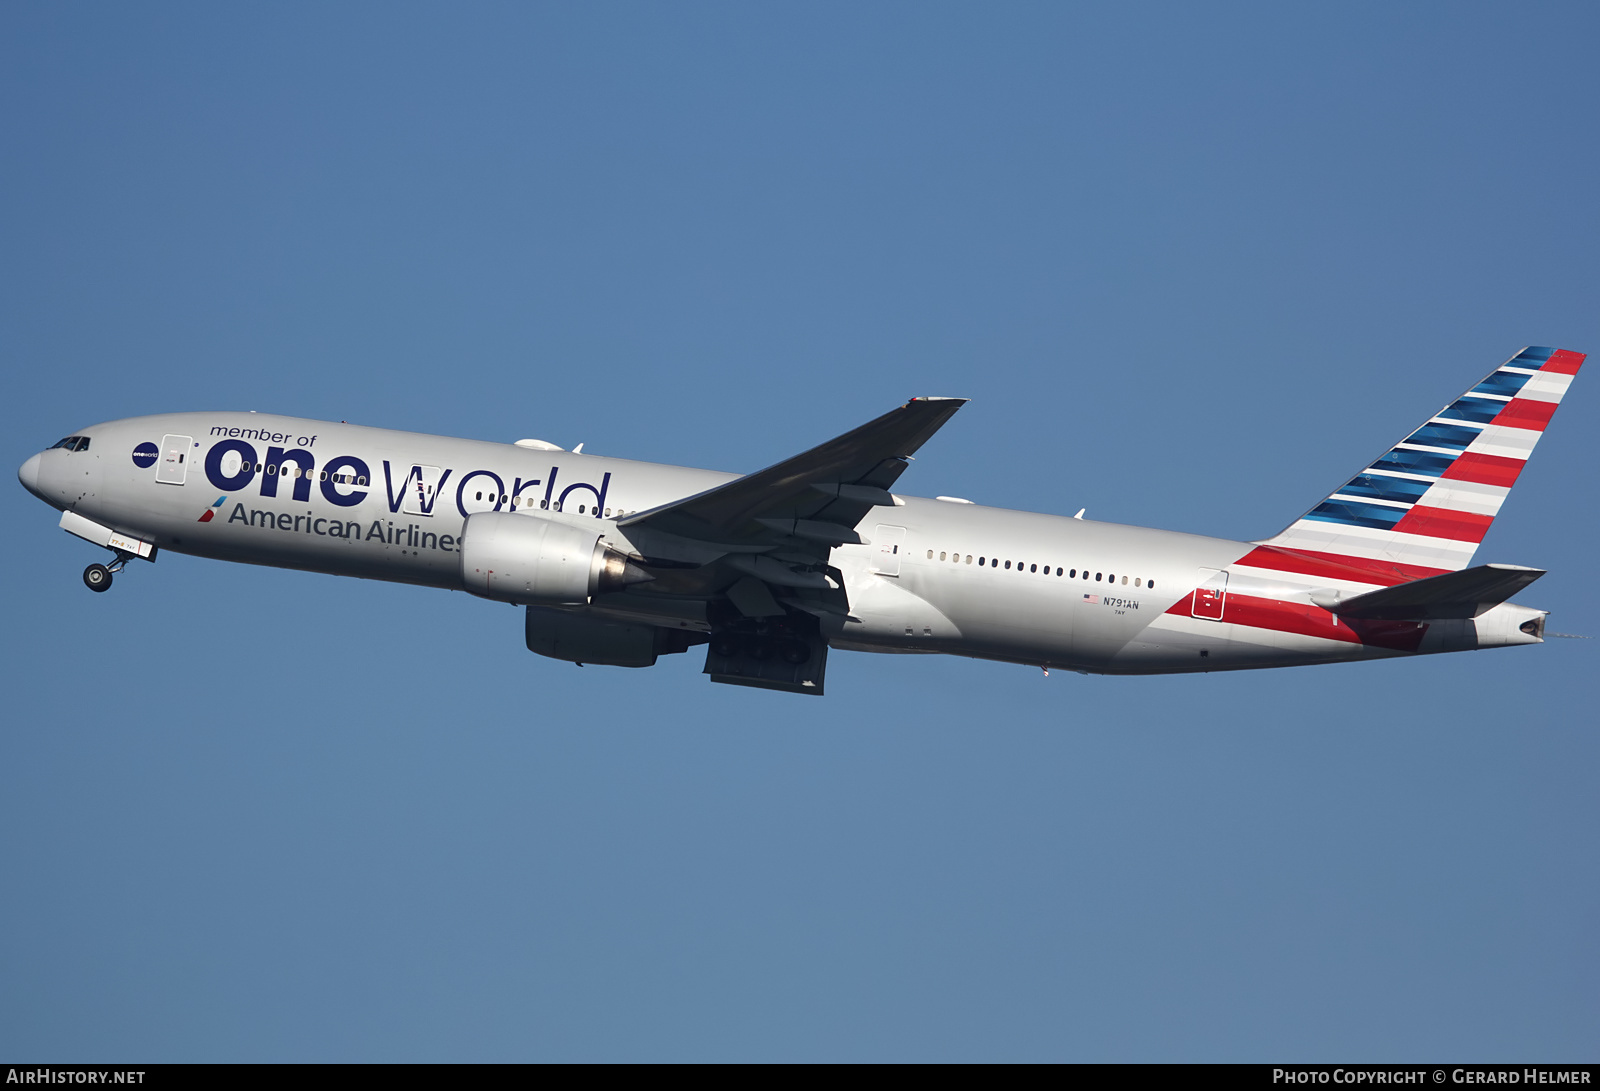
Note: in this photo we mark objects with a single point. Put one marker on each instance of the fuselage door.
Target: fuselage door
(1211, 597)
(891, 543)
(422, 489)
(174, 464)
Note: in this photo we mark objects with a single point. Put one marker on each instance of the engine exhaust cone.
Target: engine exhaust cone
(617, 572)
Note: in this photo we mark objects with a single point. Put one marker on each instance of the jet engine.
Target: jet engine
(530, 559)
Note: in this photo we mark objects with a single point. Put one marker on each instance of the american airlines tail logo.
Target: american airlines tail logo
(205, 516)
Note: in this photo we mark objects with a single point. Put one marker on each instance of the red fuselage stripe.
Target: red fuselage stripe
(1336, 566)
(1306, 619)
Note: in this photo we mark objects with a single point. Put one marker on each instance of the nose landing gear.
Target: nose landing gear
(97, 577)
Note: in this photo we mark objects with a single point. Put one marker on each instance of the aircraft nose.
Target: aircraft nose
(29, 474)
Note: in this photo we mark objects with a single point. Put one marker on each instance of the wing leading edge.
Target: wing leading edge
(811, 502)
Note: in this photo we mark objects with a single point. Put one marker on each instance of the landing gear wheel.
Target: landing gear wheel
(97, 577)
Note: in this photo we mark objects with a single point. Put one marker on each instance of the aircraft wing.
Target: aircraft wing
(811, 502)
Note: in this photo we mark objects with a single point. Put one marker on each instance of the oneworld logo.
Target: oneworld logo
(145, 455)
(233, 465)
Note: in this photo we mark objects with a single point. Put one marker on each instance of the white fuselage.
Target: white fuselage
(934, 576)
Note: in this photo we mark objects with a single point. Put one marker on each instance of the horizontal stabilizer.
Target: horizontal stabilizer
(1465, 594)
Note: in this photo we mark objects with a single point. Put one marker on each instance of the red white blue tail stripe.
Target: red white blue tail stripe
(1423, 508)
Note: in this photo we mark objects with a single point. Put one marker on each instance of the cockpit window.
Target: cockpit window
(83, 444)
(70, 443)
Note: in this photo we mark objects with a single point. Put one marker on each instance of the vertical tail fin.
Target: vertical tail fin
(1422, 508)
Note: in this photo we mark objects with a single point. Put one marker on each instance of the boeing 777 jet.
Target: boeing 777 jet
(619, 562)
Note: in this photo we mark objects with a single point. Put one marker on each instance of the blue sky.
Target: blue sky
(1193, 266)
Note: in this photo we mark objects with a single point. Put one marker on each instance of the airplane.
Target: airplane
(618, 562)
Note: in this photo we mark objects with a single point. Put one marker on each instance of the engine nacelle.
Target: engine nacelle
(529, 559)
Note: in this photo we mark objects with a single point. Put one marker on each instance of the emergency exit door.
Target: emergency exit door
(421, 490)
(891, 543)
(1211, 597)
(176, 452)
